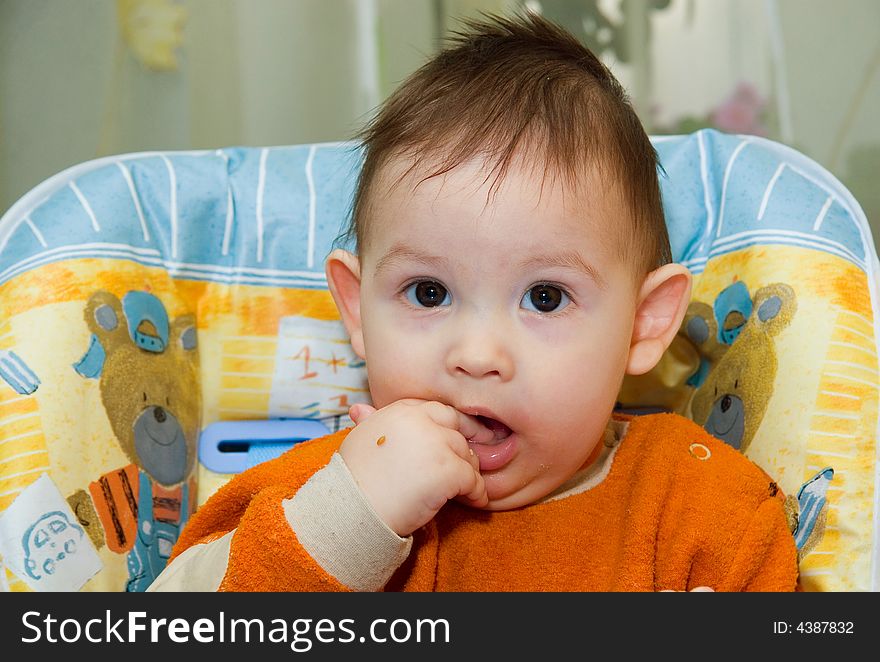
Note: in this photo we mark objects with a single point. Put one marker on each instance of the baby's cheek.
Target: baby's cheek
(573, 401)
(394, 375)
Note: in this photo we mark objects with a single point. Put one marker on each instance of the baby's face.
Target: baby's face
(517, 310)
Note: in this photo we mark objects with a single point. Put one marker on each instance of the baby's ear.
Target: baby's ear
(660, 307)
(343, 271)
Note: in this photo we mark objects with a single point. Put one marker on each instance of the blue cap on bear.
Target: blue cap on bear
(147, 320)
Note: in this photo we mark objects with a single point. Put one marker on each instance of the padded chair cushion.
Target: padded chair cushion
(144, 296)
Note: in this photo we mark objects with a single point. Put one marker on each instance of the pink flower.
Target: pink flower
(741, 112)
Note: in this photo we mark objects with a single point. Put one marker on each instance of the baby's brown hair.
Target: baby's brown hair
(521, 85)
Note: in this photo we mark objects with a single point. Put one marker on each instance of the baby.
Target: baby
(512, 266)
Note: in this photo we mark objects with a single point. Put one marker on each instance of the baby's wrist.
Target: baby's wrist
(339, 529)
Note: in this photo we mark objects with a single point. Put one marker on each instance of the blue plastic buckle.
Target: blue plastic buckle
(230, 447)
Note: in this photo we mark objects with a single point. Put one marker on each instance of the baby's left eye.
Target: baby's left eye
(545, 299)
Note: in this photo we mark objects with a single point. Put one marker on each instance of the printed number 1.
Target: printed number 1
(308, 355)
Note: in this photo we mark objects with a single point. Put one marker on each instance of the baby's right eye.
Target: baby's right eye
(427, 294)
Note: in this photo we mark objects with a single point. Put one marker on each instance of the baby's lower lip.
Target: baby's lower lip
(496, 455)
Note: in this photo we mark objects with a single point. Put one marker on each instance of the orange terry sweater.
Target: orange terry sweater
(676, 509)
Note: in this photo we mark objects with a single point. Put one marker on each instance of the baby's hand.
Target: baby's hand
(410, 457)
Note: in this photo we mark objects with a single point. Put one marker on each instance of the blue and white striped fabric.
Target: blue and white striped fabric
(17, 374)
(270, 215)
(260, 216)
(724, 192)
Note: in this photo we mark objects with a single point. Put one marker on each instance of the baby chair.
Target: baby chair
(165, 323)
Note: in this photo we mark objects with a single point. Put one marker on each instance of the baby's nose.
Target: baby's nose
(479, 356)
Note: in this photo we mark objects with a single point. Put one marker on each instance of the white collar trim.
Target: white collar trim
(589, 477)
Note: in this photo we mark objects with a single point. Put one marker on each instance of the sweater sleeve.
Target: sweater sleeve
(325, 537)
(265, 554)
(284, 525)
(338, 527)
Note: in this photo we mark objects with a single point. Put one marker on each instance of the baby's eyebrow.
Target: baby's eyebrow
(403, 253)
(568, 260)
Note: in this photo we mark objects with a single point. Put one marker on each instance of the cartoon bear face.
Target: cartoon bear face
(149, 381)
(736, 378)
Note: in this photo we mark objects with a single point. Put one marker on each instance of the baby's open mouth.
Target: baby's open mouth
(500, 430)
(495, 446)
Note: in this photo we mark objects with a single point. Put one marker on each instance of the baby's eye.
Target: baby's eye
(545, 299)
(428, 294)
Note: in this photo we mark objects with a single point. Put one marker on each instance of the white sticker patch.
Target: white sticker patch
(42, 542)
(317, 373)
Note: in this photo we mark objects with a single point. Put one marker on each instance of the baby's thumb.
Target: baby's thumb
(359, 412)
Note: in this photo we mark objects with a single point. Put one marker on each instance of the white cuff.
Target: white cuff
(338, 527)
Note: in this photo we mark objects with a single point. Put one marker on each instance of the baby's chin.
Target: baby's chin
(502, 497)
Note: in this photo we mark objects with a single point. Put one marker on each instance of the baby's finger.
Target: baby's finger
(461, 448)
(360, 411)
(473, 430)
(468, 426)
(459, 445)
(474, 460)
(472, 487)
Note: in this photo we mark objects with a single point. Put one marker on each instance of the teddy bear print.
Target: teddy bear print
(734, 382)
(148, 379)
(737, 371)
